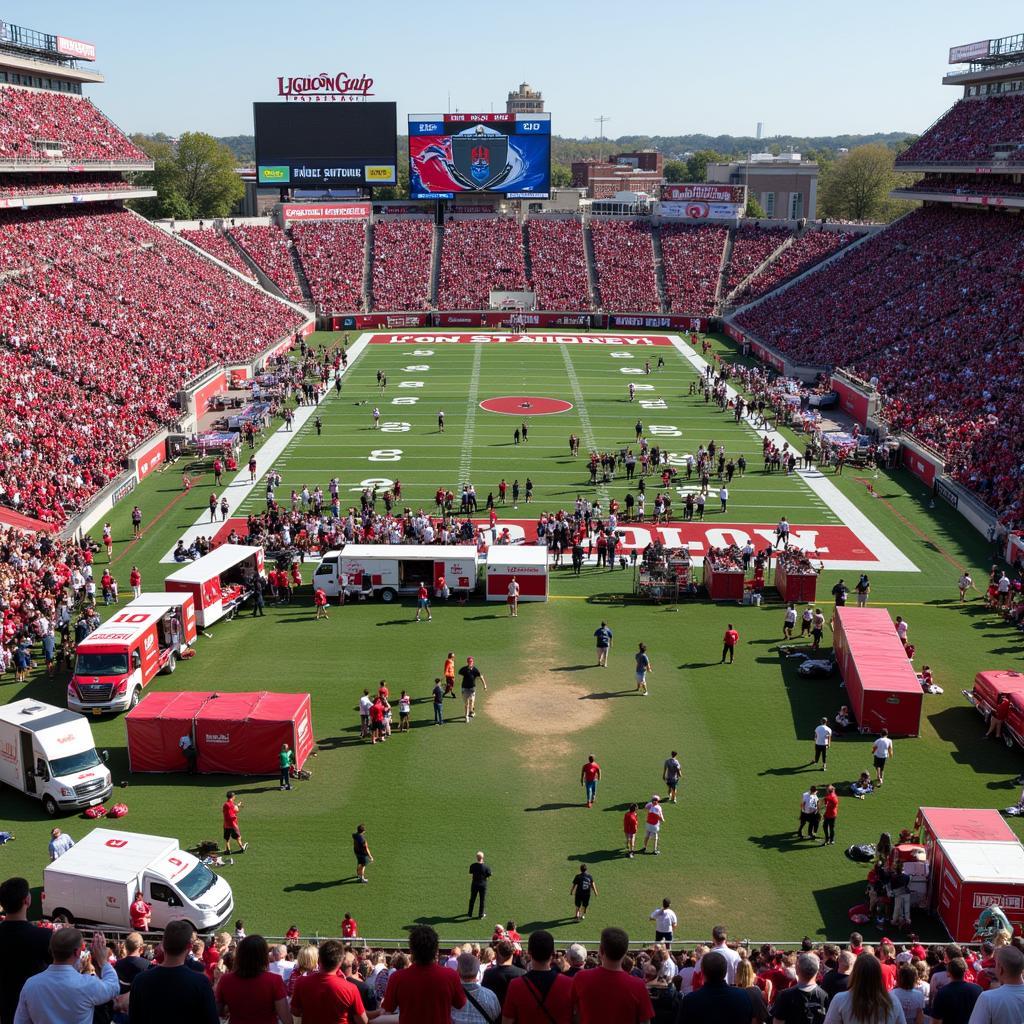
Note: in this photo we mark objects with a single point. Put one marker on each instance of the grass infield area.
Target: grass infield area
(509, 782)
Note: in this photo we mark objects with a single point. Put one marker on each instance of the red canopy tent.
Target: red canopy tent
(883, 688)
(234, 733)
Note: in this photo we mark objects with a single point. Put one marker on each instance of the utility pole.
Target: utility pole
(600, 122)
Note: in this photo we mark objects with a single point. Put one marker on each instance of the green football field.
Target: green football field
(508, 782)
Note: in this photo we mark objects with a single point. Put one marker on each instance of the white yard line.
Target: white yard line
(472, 397)
(892, 559)
(241, 487)
(585, 425)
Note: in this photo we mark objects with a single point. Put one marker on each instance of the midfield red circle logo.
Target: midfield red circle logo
(525, 405)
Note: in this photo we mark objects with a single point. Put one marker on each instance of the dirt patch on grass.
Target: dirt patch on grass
(544, 705)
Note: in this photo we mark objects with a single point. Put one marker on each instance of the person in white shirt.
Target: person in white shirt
(60, 843)
(902, 626)
(61, 995)
(665, 922)
(732, 958)
(882, 751)
(809, 813)
(723, 497)
(1003, 1005)
(822, 741)
(965, 583)
(279, 962)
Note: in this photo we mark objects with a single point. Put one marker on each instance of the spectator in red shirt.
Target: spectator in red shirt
(608, 993)
(324, 996)
(349, 927)
(729, 641)
(541, 996)
(230, 811)
(426, 991)
(252, 994)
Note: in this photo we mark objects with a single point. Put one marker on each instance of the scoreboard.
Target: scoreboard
(458, 153)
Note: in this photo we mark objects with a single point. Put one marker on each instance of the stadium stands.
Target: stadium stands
(751, 246)
(967, 132)
(29, 117)
(269, 249)
(969, 184)
(558, 263)
(402, 251)
(809, 249)
(212, 241)
(333, 257)
(478, 256)
(931, 308)
(692, 260)
(625, 264)
(111, 316)
(48, 184)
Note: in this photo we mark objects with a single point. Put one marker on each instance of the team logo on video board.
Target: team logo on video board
(479, 157)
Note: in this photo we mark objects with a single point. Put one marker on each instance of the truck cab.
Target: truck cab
(48, 753)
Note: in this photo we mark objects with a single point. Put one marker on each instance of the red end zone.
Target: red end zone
(609, 340)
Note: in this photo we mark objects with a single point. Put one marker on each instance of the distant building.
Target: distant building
(640, 171)
(524, 101)
(784, 185)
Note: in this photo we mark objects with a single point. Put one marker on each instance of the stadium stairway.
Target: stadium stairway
(659, 270)
(368, 266)
(435, 264)
(300, 274)
(772, 257)
(723, 271)
(527, 260)
(588, 248)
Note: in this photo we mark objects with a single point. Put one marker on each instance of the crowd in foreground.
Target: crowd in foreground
(51, 974)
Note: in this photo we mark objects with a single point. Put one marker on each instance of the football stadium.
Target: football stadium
(692, 519)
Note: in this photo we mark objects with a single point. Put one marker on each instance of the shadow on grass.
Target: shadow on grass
(607, 694)
(963, 729)
(481, 618)
(597, 856)
(793, 770)
(397, 622)
(317, 886)
(436, 919)
(573, 668)
(556, 807)
(783, 842)
(337, 742)
(700, 664)
(555, 922)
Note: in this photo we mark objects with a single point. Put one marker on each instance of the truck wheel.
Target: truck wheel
(64, 912)
(387, 595)
(172, 664)
(50, 806)
(136, 697)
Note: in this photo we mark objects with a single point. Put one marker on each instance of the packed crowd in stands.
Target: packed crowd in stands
(50, 184)
(930, 311)
(271, 252)
(625, 264)
(216, 244)
(333, 257)
(479, 256)
(751, 246)
(31, 116)
(692, 262)
(558, 263)
(112, 316)
(402, 250)
(809, 249)
(520, 979)
(967, 131)
(970, 184)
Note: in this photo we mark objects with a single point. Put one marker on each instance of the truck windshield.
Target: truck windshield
(196, 882)
(101, 664)
(63, 766)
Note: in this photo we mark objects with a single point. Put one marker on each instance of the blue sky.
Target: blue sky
(803, 68)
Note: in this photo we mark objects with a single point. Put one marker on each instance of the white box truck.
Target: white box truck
(48, 753)
(388, 570)
(97, 879)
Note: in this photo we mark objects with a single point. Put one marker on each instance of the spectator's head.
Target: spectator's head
(132, 943)
(957, 968)
(1009, 965)
(845, 962)
(719, 934)
(856, 940)
(479, 856)
(869, 999)
(504, 950)
(614, 944)
(577, 954)
(177, 940)
(423, 944)
(278, 952)
(714, 967)
(252, 956)
(541, 947)
(807, 967)
(15, 897)
(951, 951)
(745, 976)
(906, 976)
(469, 967)
(329, 957)
(65, 945)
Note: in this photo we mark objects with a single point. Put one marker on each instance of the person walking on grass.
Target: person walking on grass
(362, 851)
(581, 889)
(882, 751)
(589, 775)
(729, 640)
(449, 675)
(629, 826)
(822, 741)
(828, 819)
(438, 694)
(809, 813)
(286, 760)
(423, 602)
(471, 675)
(479, 874)
(671, 773)
(229, 812)
(643, 666)
(513, 598)
(320, 600)
(788, 622)
(604, 643)
(655, 817)
(665, 922)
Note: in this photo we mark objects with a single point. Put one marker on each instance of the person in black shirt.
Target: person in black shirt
(24, 948)
(131, 964)
(170, 993)
(470, 675)
(839, 979)
(362, 851)
(497, 978)
(582, 886)
(479, 873)
(366, 990)
(715, 1002)
(954, 1002)
(805, 1002)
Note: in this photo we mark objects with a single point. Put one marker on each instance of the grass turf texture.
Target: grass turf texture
(509, 781)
